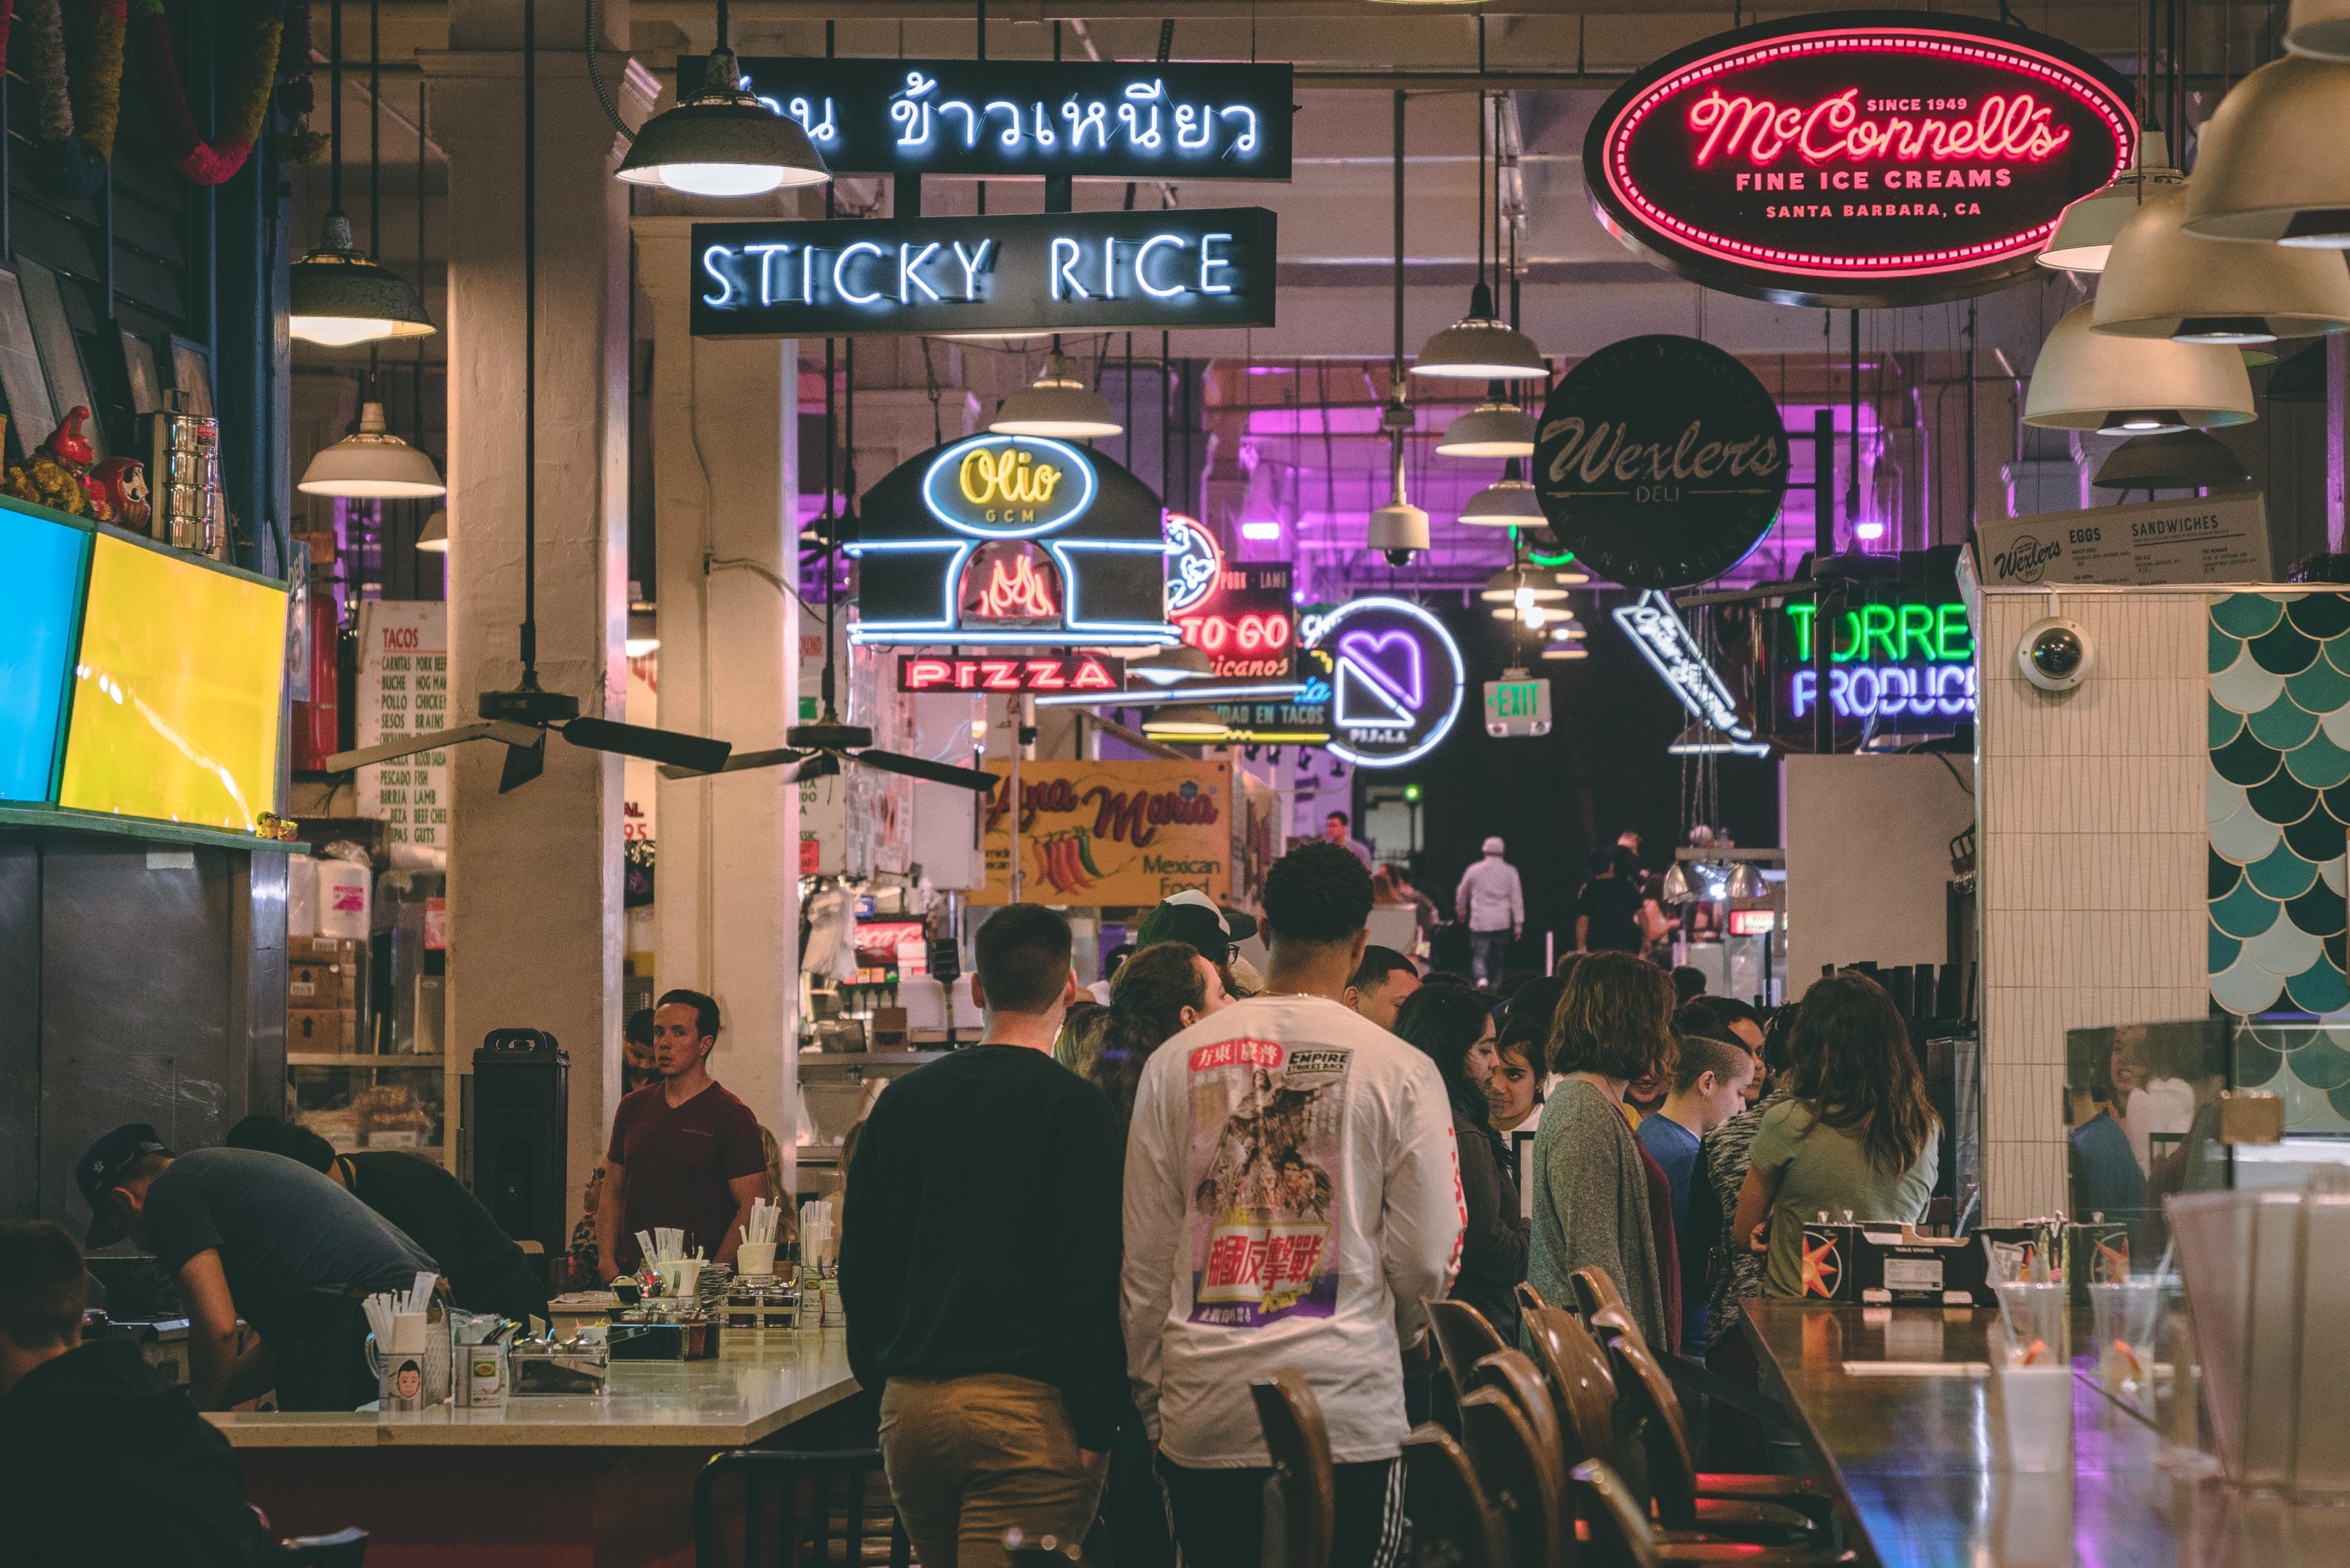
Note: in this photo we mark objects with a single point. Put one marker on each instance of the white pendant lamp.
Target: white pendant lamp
(722, 141)
(2272, 170)
(1184, 722)
(1494, 428)
(1481, 347)
(1508, 502)
(2090, 381)
(2319, 28)
(1520, 583)
(1058, 403)
(2086, 232)
(435, 536)
(1172, 666)
(2162, 282)
(371, 463)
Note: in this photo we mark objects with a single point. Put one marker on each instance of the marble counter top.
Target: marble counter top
(731, 1402)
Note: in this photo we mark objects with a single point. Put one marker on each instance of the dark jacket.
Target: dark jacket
(103, 1462)
(1493, 1247)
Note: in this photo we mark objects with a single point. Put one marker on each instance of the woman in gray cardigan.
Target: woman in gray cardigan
(1615, 1024)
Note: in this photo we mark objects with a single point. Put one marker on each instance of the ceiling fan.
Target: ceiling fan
(522, 718)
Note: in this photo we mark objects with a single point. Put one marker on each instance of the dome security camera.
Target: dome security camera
(2055, 654)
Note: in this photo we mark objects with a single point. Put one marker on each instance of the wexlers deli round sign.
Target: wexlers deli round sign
(1856, 158)
(1660, 461)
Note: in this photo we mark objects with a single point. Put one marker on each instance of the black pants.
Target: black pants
(324, 1366)
(1219, 1514)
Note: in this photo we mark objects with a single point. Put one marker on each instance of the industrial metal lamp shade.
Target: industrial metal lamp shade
(1172, 666)
(1517, 584)
(1676, 888)
(372, 465)
(435, 536)
(1184, 722)
(2319, 28)
(1479, 348)
(1746, 881)
(2182, 460)
(1058, 404)
(2162, 282)
(1565, 650)
(2086, 233)
(1508, 502)
(2272, 170)
(2090, 381)
(339, 294)
(722, 143)
(1494, 428)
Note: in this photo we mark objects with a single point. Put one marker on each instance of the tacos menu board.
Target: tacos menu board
(1112, 834)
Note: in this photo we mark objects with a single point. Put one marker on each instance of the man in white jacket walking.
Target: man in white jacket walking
(1291, 1196)
(1493, 903)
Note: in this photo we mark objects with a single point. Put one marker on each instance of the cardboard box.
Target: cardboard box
(316, 985)
(314, 1029)
(320, 950)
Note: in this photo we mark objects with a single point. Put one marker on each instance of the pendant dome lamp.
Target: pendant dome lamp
(2091, 380)
(722, 141)
(2272, 170)
(1481, 346)
(1565, 650)
(2086, 232)
(435, 536)
(1494, 428)
(1508, 502)
(1057, 403)
(2319, 28)
(2182, 460)
(337, 294)
(371, 463)
(2163, 282)
(1184, 722)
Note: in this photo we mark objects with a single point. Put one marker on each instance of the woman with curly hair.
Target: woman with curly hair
(1854, 1135)
(1592, 1199)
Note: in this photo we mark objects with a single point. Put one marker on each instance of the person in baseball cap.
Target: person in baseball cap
(1192, 917)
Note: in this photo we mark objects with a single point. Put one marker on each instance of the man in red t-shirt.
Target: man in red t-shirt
(685, 1153)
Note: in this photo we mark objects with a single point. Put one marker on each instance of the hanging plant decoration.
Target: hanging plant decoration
(98, 101)
(69, 169)
(199, 161)
(298, 143)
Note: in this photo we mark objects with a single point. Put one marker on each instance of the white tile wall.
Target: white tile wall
(2093, 847)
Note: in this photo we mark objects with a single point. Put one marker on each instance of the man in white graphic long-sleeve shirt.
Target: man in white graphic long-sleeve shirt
(1291, 1194)
(1493, 903)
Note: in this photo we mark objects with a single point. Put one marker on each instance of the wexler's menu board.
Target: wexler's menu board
(176, 691)
(46, 563)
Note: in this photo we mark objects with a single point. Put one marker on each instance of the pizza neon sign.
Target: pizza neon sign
(1856, 158)
(1079, 673)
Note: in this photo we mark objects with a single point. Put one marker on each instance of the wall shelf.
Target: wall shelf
(72, 821)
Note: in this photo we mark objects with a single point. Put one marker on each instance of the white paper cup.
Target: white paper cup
(756, 1259)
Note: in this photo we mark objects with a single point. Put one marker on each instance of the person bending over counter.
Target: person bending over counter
(685, 1154)
(485, 1270)
(245, 1233)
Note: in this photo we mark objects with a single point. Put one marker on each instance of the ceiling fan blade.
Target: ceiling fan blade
(430, 741)
(931, 772)
(524, 763)
(689, 751)
(809, 764)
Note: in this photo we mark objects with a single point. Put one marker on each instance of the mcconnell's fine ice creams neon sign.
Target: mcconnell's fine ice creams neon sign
(2017, 127)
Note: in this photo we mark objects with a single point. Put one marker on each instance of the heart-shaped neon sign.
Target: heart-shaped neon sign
(1401, 679)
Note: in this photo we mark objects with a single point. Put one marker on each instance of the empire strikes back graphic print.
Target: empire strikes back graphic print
(1265, 1166)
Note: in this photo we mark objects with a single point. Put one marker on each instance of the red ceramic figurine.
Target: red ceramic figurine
(120, 484)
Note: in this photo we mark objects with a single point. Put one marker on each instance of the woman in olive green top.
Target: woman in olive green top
(1855, 1138)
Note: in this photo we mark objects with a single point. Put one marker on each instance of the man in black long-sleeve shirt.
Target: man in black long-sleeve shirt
(979, 1265)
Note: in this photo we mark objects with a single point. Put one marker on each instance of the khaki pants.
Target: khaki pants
(970, 1457)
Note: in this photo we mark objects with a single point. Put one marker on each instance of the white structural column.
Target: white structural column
(725, 438)
(534, 928)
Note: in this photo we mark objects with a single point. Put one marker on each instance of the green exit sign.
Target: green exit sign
(1515, 705)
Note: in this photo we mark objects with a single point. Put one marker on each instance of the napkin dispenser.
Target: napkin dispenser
(565, 1367)
(1896, 1266)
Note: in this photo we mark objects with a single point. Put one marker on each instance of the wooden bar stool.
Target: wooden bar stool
(1522, 1481)
(1299, 1529)
(1620, 1536)
(1514, 1373)
(1451, 1521)
(1594, 1288)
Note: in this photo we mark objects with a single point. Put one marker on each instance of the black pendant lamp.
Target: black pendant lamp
(339, 294)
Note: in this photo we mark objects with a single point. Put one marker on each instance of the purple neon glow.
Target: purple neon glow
(1364, 651)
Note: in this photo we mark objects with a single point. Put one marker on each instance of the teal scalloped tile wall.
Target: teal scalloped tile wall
(2277, 799)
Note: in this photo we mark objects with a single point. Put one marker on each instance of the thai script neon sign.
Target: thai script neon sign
(1031, 272)
(1012, 118)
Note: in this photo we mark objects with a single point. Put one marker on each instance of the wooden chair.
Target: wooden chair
(1594, 1288)
(1451, 1521)
(1683, 1499)
(1620, 1536)
(1580, 1382)
(1514, 1373)
(1464, 1336)
(1524, 1482)
(800, 1478)
(1302, 1500)
(1529, 1298)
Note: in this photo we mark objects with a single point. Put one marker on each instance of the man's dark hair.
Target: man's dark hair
(1341, 817)
(1377, 964)
(271, 1135)
(1023, 958)
(1689, 981)
(1602, 859)
(706, 1011)
(42, 1286)
(639, 1028)
(1318, 893)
